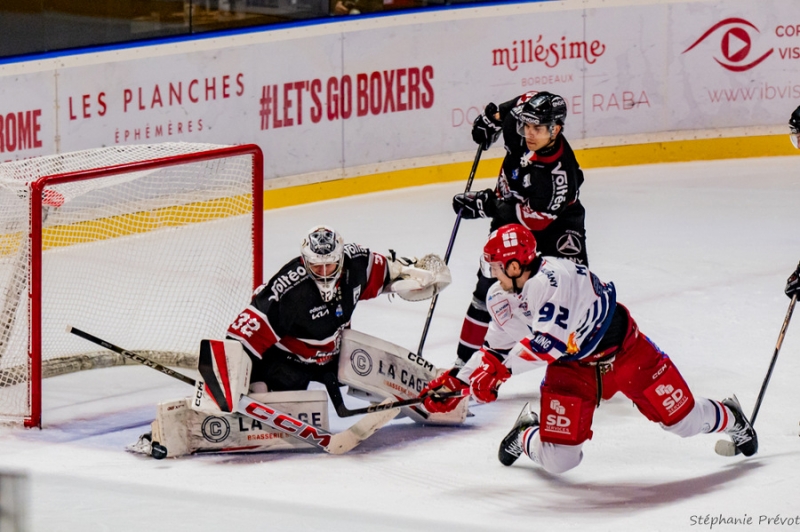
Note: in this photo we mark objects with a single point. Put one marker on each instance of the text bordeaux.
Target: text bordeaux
(340, 97)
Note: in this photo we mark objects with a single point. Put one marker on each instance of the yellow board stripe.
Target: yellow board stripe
(145, 221)
(635, 154)
(687, 150)
(132, 223)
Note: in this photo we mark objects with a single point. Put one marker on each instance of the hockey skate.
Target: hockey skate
(511, 446)
(742, 432)
(146, 445)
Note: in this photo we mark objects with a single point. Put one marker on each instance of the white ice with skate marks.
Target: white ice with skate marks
(698, 251)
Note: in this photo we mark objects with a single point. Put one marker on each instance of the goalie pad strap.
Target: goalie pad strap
(225, 369)
(212, 353)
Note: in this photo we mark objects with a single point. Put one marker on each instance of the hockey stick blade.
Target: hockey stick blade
(726, 448)
(333, 443)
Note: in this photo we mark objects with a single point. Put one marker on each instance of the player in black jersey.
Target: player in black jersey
(292, 328)
(538, 187)
(793, 282)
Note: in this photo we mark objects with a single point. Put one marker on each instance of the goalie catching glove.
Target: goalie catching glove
(417, 279)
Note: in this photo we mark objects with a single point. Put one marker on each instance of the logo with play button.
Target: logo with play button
(735, 45)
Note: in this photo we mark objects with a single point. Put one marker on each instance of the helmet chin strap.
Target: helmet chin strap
(517, 289)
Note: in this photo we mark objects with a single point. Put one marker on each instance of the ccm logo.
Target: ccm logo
(288, 424)
(661, 370)
(198, 392)
(420, 361)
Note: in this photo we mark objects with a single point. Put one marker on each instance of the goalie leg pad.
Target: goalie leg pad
(374, 367)
(183, 430)
(225, 369)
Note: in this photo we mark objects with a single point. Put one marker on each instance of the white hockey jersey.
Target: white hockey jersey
(562, 312)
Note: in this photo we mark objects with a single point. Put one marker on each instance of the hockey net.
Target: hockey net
(155, 246)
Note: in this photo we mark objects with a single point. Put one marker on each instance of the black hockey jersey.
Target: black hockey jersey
(537, 187)
(288, 311)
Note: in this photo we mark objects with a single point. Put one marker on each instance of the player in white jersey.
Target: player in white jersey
(548, 310)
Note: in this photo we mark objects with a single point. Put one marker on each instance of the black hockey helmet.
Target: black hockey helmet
(544, 108)
(794, 127)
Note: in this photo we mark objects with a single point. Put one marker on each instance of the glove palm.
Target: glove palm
(471, 205)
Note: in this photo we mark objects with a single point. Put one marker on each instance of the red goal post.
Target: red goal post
(157, 246)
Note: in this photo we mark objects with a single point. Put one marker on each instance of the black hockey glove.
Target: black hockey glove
(793, 283)
(473, 205)
(486, 129)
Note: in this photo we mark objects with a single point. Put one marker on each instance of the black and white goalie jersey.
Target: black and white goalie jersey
(289, 313)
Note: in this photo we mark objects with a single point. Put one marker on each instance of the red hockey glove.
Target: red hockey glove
(485, 380)
(446, 382)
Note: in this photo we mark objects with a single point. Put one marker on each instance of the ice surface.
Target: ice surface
(698, 251)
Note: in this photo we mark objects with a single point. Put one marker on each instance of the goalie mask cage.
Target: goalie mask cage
(154, 246)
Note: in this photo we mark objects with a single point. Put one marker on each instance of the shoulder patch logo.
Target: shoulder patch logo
(501, 311)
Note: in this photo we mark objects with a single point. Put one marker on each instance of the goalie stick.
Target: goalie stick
(332, 443)
(449, 250)
(332, 385)
(727, 447)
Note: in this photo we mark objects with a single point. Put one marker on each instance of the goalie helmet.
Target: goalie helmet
(510, 242)
(322, 252)
(794, 127)
(544, 108)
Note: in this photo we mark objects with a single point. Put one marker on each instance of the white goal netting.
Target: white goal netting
(153, 258)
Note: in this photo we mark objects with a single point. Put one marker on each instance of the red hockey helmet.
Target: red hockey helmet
(510, 242)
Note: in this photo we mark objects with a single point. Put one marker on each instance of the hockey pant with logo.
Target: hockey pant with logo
(571, 391)
(565, 238)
